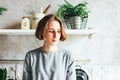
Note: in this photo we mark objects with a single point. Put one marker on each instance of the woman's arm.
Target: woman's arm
(27, 68)
(71, 73)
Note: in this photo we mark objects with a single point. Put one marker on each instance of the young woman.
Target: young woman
(49, 62)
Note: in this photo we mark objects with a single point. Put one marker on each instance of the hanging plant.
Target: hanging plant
(2, 10)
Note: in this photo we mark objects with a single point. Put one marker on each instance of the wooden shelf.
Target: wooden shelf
(32, 31)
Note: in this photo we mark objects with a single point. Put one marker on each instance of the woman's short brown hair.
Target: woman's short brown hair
(42, 24)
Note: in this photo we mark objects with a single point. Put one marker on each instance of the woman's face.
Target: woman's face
(52, 33)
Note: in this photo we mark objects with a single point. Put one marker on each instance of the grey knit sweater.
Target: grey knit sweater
(58, 65)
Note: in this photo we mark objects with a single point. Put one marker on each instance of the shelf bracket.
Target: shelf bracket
(89, 36)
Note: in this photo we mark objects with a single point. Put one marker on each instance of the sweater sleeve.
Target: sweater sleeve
(71, 74)
(27, 68)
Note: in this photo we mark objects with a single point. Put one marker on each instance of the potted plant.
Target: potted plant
(67, 10)
(2, 9)
(3, 74)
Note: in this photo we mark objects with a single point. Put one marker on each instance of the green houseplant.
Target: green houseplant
(67, 10)
(3, 74)
(2, 9)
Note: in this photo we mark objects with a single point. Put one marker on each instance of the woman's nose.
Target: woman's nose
(55, 34)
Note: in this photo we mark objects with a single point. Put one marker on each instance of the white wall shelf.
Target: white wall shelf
(31, 32)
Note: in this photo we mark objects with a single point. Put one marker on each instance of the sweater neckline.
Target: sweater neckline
(48, 52)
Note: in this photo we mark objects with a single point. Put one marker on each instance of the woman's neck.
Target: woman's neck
(49, 48)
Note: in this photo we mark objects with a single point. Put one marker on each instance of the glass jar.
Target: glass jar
(25, 23)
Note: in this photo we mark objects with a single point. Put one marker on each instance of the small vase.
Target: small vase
(36, 18)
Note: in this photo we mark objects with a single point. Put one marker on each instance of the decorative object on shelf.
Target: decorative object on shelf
(46, 9)
(29, 9)
(81, 74)
(2, 9)
(25, 23)
(66, 11)
(36, 17)
(75, 22)
(15, 71)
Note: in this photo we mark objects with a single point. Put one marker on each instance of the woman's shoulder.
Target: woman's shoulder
(67, 55)
(65, 52)
(33, 51)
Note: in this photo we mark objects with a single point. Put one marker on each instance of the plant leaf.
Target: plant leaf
(70, 5)
(2, 9)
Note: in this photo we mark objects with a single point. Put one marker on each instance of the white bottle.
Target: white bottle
(36, 18)
(25, 23)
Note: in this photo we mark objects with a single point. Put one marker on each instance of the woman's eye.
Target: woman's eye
(59, 31)
(51, 31)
